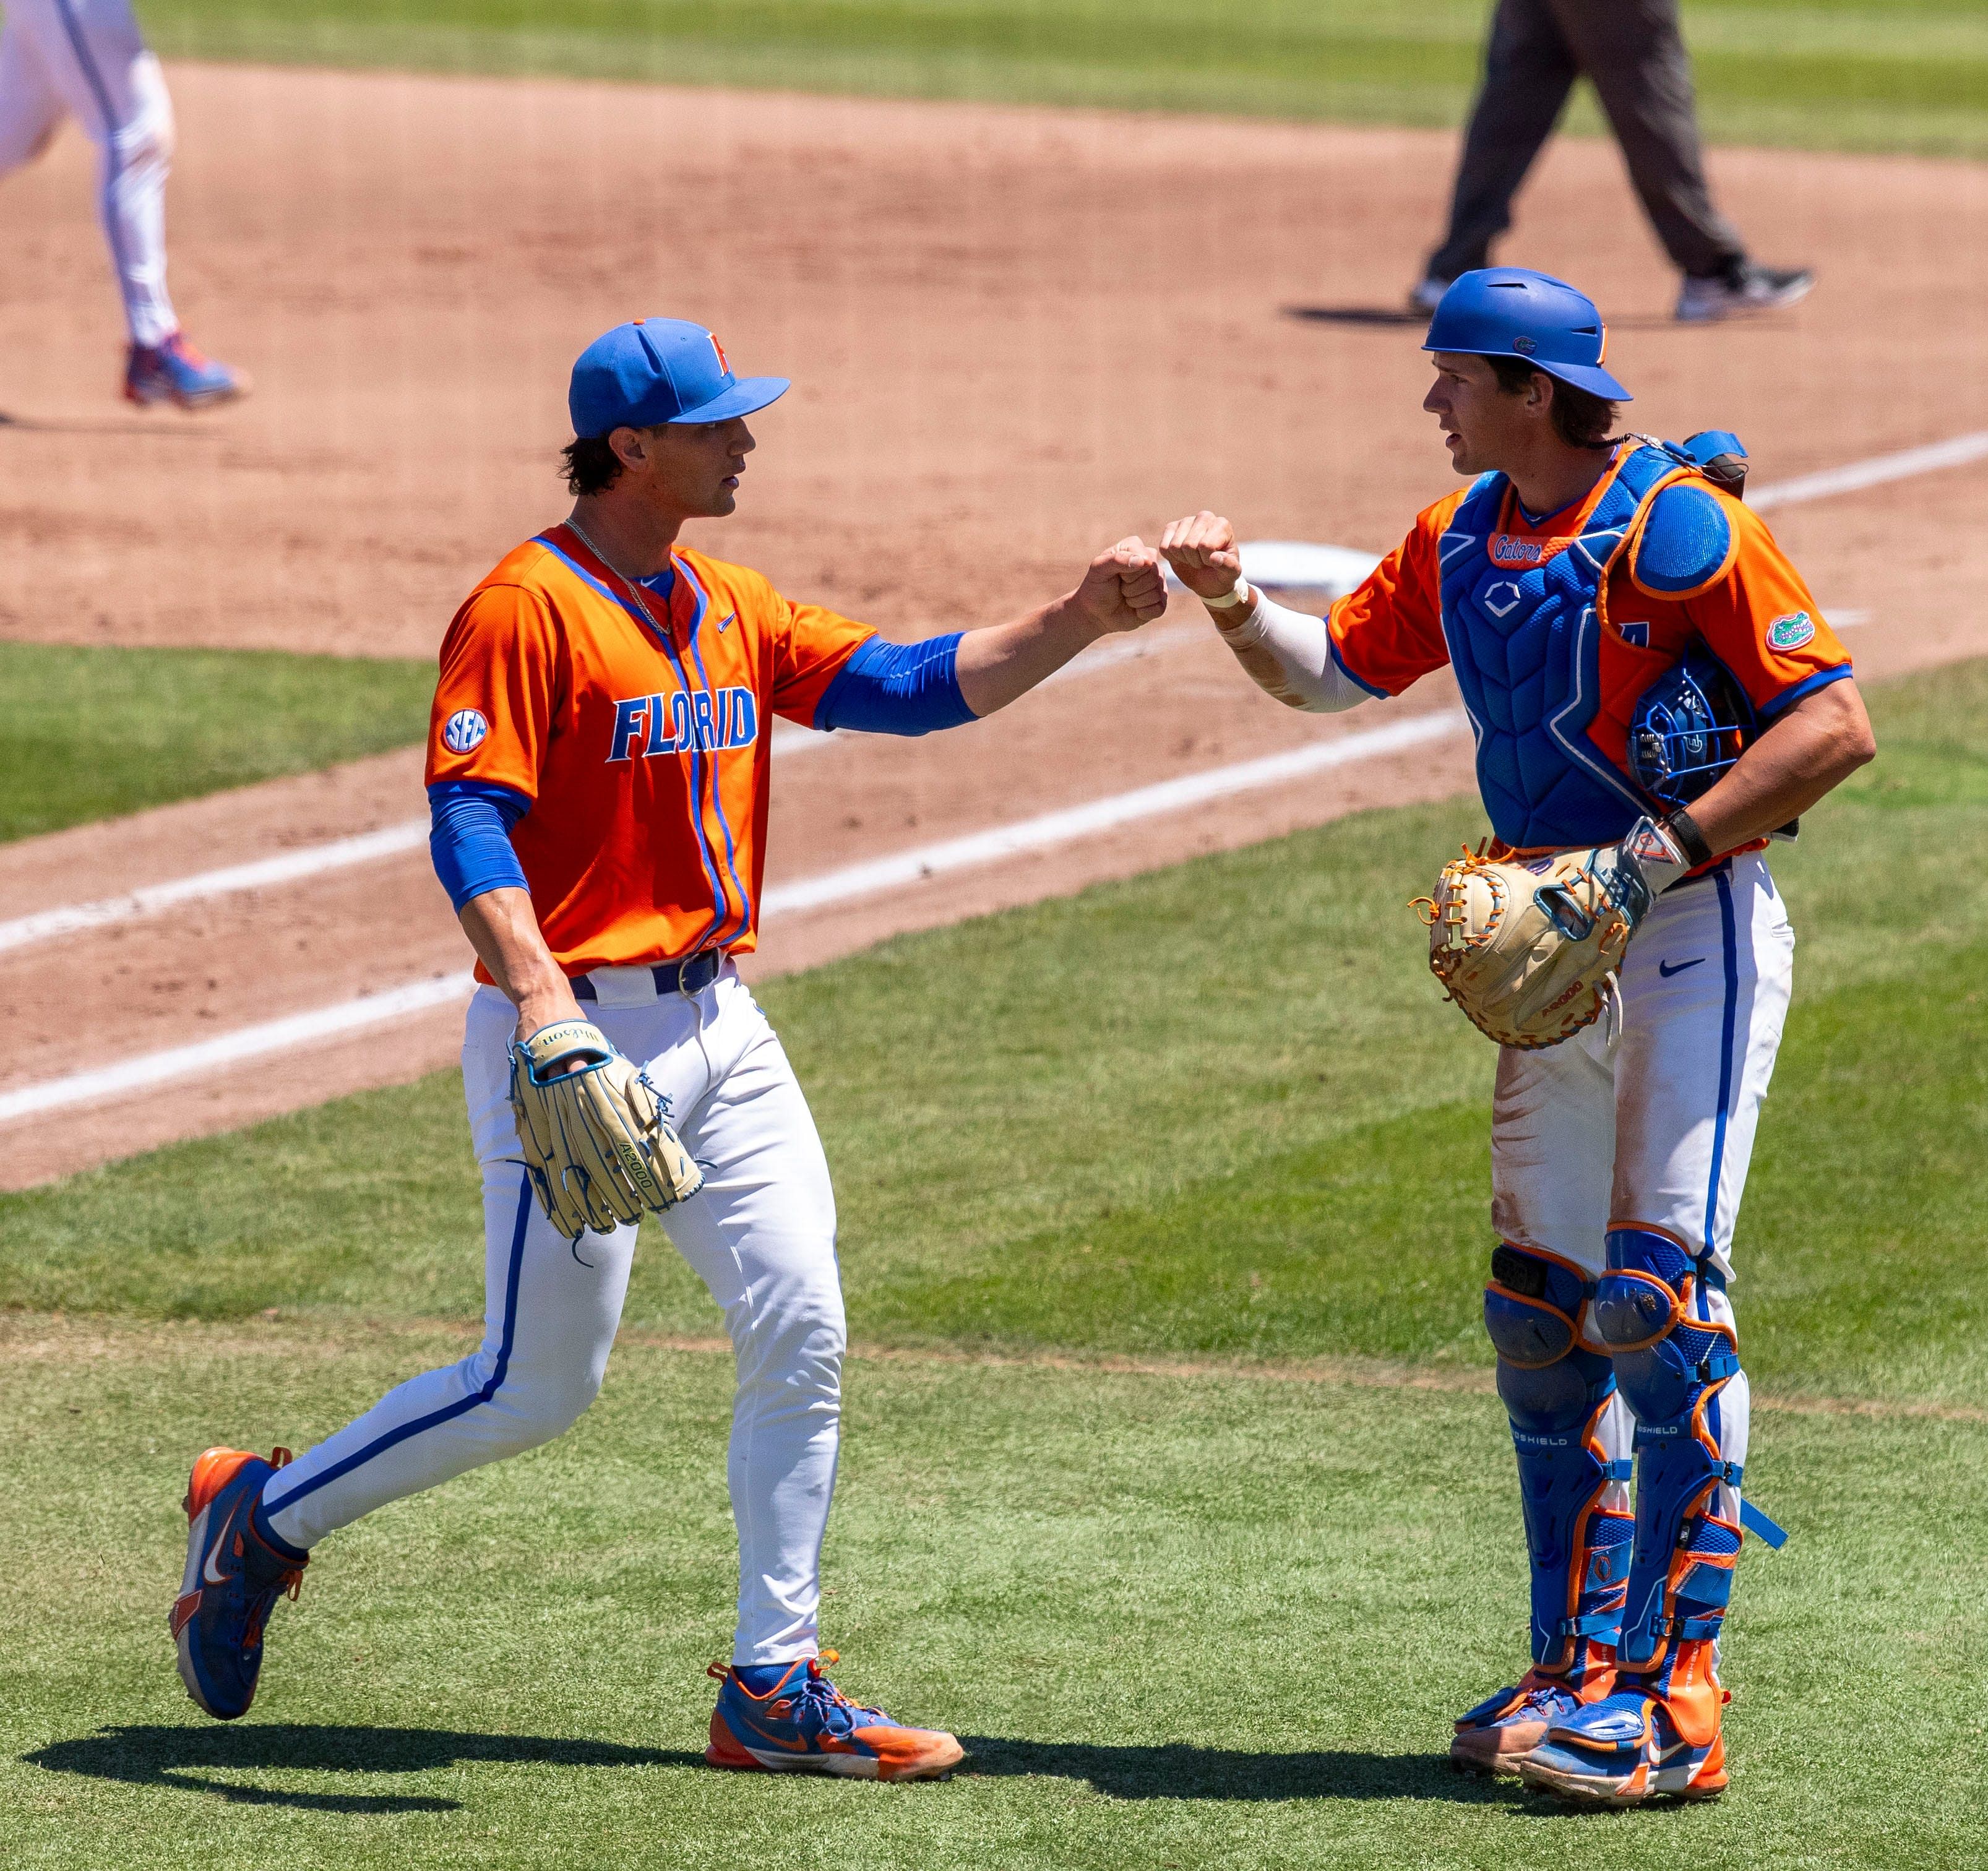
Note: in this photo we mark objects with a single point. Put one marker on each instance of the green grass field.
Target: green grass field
(90, 733)
(1849, 74)
(1218, 1610)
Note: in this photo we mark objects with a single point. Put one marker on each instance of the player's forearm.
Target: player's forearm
(999, 665)
(1287, 654)
(503, 929)
(1806, 753)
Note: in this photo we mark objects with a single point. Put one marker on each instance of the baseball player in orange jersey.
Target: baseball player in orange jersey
(598, 777)
(1648, 680)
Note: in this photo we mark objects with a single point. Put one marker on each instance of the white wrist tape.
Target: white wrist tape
(1232, 597)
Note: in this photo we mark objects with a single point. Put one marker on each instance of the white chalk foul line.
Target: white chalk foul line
(1043, 833)
(410, 834)
(1052, 829)
(295, 1030)
(1957, 452)
(286, 866)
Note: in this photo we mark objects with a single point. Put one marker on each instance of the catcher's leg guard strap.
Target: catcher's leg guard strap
(1672, 1363)
(1560, 1397)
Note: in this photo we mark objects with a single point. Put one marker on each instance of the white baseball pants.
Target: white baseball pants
(761, 1235)
(87, 59)
(1650, 1120)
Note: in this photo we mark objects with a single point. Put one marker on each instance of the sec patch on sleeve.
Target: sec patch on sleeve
(466, 728)
(1791, 631)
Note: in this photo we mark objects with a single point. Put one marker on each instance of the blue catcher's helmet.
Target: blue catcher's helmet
(1687, 728)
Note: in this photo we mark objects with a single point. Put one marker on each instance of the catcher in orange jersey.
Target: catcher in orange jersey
(598, 777)
(1654, 690)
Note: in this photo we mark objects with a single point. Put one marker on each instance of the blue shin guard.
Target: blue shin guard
(1675, 1354)
(1673, 1359)
(1557, 1395)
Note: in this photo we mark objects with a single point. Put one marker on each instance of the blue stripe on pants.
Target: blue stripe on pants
(451, 1412)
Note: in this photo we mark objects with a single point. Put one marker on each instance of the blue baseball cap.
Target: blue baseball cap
(1513, 311)
(660, 369)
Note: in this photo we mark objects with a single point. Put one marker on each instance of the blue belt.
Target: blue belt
(691, 976)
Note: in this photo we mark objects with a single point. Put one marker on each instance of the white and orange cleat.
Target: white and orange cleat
(789, 1718)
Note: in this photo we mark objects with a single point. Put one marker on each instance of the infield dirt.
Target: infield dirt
(1014, 335)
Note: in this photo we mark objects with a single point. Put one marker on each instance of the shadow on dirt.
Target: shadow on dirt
(1355, 315)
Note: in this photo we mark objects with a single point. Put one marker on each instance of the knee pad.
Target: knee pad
(1532, 1315)
(1666, 1359)
(1556, 1393)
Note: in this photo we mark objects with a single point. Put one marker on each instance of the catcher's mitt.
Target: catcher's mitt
(1530, 950)
(597, 1140)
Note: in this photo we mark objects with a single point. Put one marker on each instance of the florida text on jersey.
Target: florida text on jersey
(631, 725)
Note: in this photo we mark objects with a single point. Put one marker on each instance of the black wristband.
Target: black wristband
(1683, 827)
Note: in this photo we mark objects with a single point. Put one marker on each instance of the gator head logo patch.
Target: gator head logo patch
(1790, 632)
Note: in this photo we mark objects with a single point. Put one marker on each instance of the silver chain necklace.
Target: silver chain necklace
(635, 584)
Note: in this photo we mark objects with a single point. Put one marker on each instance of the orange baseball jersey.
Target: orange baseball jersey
(1752, 609)
(638, 729)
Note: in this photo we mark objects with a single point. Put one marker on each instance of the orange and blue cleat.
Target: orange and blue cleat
(234, 1577)
(174, 372)
(789, 1718)
(1496, 1735)
(1621, 1751)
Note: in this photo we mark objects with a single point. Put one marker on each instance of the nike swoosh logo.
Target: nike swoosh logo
(214, 1546)
(1666, 970)
(726, 619)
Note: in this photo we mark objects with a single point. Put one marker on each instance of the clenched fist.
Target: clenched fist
(1202, 549)
(1123, 588)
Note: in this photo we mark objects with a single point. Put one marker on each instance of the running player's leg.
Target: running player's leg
(1705, 991)
(31, 107)
(95, 58)
(551, 1310)
(1553, 1137)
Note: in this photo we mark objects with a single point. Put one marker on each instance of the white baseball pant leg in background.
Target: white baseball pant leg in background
(88, 59)
(761, 1235)
(1651, 1120)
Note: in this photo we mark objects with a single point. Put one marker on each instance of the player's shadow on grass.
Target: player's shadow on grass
(175, 1757)
(1177, 1771)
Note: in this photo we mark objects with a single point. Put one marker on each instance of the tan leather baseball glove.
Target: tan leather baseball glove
(597, 1139)
(1530, 950)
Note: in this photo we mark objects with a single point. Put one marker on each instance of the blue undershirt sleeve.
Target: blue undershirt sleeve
(469, 838)
(897, 688)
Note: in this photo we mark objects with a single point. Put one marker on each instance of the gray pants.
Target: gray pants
(1633, 52)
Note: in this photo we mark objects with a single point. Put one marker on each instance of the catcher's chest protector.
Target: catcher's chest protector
(1524, 640)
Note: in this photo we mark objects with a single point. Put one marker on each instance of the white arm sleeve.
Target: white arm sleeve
(1288, 655)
